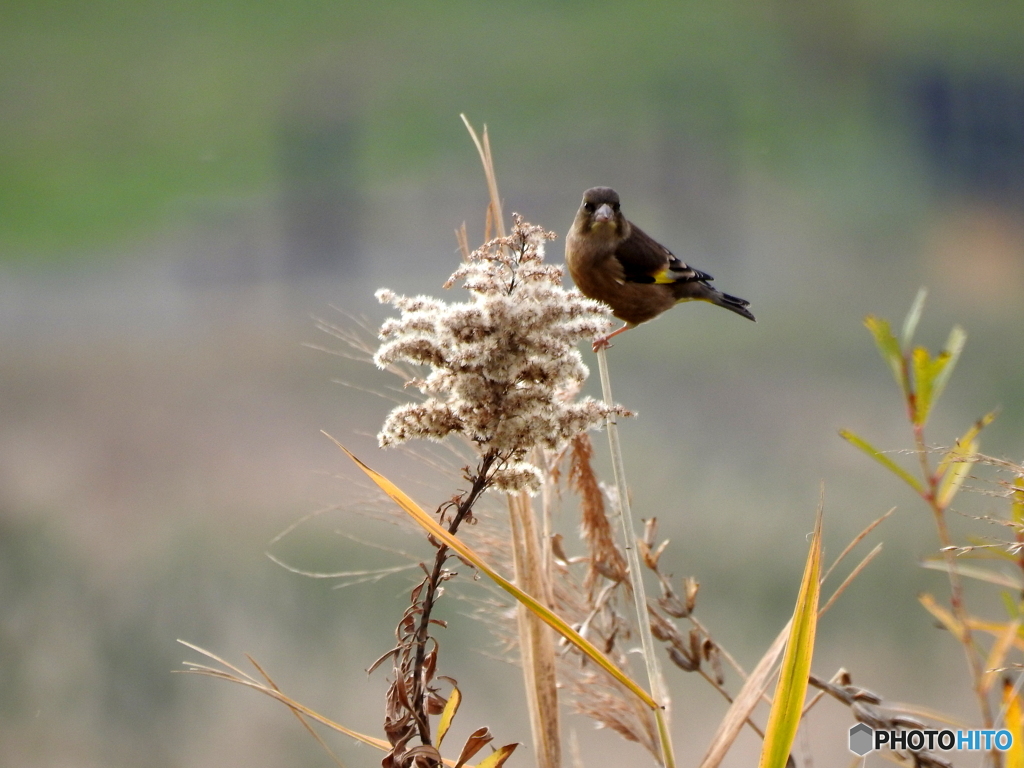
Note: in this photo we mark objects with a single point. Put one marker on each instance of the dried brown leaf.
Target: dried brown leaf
(690, 587)
(662, 629)
(683, 660)
(477, 740)
(381, 660)
(605, 558)
(424, 754)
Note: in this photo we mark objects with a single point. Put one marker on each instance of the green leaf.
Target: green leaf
(882, 459)
(924, 377)
(788, 703)
(889, 348)
(951, 353)
(953, 469)
(928, 374)
(910, 322)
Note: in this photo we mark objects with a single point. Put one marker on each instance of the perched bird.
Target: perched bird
(614, 261)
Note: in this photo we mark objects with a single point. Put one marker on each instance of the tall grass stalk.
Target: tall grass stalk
(659, 690)
(536, 644)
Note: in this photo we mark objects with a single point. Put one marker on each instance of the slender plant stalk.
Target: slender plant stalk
(433, 583)
(658, 690)
(536, 644)
(956, 591)
(956, 596)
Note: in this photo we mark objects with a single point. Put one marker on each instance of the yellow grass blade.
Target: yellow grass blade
(997, 657)
(543, 612)
(995, 629)
(788, 703)
(448, 714)
(882, 459)
(947, 619)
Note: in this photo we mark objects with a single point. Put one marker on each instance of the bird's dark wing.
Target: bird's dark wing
(644, 260)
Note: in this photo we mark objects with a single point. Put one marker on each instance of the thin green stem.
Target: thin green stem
(956, 590)
(654, 676)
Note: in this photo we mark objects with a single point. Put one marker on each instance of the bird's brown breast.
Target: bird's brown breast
(599, 274)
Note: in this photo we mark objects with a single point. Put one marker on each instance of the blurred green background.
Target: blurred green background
(183, 184)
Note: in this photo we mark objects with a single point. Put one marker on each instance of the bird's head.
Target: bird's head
(599, 213)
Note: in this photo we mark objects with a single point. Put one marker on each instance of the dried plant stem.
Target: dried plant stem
(481, 480)
(658, 689)
(536, 644)
(483, 147)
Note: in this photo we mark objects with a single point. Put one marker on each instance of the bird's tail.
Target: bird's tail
(700, 290)
(736, 304)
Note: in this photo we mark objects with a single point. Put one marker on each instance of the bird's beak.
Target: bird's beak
(604, 214)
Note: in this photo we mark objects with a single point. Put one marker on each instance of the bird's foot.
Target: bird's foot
(604, 342)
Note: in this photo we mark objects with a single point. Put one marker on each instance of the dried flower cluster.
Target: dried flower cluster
(504, 366)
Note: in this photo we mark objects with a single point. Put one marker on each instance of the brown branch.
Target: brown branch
(481, 479)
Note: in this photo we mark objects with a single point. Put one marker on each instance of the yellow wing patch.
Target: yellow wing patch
(665, 277)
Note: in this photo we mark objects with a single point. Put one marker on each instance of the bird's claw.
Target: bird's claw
(601, 342)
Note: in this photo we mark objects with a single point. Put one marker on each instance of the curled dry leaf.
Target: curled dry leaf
(690, 587)
(477, 740)
(682, 660)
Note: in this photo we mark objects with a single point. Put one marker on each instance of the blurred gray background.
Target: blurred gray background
(184, 185)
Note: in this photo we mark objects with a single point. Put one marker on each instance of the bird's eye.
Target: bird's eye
(615, 207)
(589, 207)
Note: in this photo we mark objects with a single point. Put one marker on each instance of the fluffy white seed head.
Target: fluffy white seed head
(503, 367)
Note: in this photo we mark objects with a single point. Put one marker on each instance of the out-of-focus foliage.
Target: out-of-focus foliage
(160, 423)
(116, 115)
(921, 379)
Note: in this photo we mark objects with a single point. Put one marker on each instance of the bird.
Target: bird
(614, 261)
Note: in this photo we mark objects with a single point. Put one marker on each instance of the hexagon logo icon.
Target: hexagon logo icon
(861, 738)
